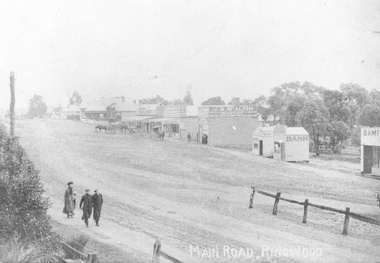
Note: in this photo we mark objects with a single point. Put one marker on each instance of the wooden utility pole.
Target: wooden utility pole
(12, 106)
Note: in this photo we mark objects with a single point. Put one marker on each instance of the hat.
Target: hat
(87, 190)
(69, 183)
(96, 190)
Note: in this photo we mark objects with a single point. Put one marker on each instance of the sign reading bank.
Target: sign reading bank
(370, 136)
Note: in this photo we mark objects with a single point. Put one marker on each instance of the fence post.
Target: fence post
(346, 221)
(306, 204)
(156, 252)
(92, 258)
(276, 203)
(252, 196)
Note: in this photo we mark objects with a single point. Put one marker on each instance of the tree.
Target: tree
(214, 101)
(57, 109)
(75, 99)
(176, 102)
(356, 98)
(314, 118)
(370, 116)
(339, 131)
(294, 106)
(37, 107)
(337, 105)
(235, 101)
(188, 99)
(156, 100)
(23, 209)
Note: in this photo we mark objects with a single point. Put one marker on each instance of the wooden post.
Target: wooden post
(12, 106)
(305, 211)
(92, 258)
(156, 252)
(276, 203)
(346, 221)
(252, 196)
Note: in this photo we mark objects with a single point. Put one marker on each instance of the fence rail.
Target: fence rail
(88, 258)
(157, 253)
(306, 204)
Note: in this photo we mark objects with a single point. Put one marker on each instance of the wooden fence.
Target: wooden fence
(157, 253)
(88, 258)
(306, 204)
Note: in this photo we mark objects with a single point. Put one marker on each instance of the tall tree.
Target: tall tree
(188, 99)
(339, 131)
(370, 116)
(294, 106)
(235, 101)
(356, 97)
(214, 101)
(37, 107)
(75, 99)
(314, 118)
(337, 105)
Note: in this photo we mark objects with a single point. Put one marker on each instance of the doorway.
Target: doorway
(261, 147)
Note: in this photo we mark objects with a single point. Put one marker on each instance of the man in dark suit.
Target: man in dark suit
(86, 205)
(97, 203)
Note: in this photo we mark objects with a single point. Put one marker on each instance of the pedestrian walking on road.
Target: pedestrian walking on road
(86, 205)
(69, 200)
(97, 203)
(188, 136)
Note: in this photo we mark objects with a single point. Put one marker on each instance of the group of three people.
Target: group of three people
(87, 203)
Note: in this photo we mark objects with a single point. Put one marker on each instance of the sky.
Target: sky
(137, 49)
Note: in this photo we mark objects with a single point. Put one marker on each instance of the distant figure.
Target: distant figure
(162, 136)
(69, 200)
(86, 205)
(188, 136)
(204, 139)
(97, 203)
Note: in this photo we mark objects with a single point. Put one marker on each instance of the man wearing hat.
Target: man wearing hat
(97, 203)
(69, 200)
(86, 205)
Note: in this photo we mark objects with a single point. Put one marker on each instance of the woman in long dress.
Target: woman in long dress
(69, 200)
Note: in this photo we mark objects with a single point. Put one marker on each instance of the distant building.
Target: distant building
(291, 144)
(227, 125)
(370, 150)
(263, 141)
(71, 113)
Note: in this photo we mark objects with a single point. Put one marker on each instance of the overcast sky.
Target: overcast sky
(142, 48)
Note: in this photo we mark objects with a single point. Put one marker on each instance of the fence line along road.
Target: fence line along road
(157, 253)
(306, 204)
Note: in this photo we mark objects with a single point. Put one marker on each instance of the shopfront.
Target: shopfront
(370, 150)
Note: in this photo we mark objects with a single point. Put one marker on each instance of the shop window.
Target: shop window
(255, 146)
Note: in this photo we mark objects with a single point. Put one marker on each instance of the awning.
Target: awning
(165, 121)
(138, 118)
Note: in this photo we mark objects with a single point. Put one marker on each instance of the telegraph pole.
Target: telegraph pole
(12, 106)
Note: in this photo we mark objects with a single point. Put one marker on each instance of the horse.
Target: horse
(161, 135)
(99, 128)
(124, 128)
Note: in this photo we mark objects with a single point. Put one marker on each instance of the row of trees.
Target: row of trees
(187, 100)
(324, 113)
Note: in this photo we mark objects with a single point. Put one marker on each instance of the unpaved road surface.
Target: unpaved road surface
(190, 195)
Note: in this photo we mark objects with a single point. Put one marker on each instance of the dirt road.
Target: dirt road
(196, 197)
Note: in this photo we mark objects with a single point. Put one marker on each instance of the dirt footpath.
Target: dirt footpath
(195, 198)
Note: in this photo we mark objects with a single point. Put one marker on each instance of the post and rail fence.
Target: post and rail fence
(86, 257)
(158, 253)
(306, 204)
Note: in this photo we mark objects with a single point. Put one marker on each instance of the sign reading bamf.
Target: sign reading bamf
(227, 111)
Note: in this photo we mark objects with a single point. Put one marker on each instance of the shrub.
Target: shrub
(16, 251)
(23, 208)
